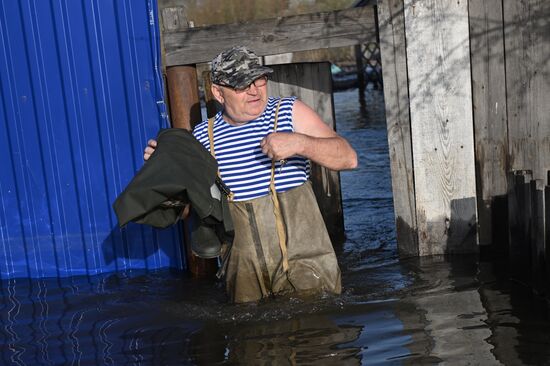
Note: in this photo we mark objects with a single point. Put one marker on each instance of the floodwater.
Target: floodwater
(455, 311)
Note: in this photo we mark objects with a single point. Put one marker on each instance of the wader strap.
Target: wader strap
(276, 207)
(213, 153)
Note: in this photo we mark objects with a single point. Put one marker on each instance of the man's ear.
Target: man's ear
(217, 93)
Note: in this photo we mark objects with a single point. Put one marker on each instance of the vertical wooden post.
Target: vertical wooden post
(394, 68)
(360, 70)
(519, 217)
(183, 94)
(184, 106)
(440, 94)
(490, 119)
(547, 236)
(537, 234)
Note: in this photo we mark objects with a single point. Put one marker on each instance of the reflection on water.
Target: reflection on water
(419, 311)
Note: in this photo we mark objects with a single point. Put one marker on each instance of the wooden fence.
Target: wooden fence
(469, 126)
(427, 90)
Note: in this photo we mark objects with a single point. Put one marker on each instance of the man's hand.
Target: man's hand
(149, 149)
(281, 145)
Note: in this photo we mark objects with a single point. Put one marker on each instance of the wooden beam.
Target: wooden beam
(272, 36)
(489, 106)
(519, 217)
(538, 255)
(547, 236)
(396, 95)
(440, 94)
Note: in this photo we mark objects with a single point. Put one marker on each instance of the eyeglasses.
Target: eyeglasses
(258, 83)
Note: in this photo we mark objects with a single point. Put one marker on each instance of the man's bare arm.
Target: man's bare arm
(312, 139)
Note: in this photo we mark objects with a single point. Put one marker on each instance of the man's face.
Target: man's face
(242, 105)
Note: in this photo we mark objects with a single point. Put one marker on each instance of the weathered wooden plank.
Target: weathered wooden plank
(438, 60)
(489, 106)
(394, 60)
(519, 217)
(547, 237)
(312, 84)
(173, 19)
(272, 36)
(538, 258)
(527, 44)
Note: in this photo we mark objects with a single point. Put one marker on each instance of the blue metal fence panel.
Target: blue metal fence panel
(81, 92)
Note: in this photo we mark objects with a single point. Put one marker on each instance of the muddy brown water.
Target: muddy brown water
(434, 310)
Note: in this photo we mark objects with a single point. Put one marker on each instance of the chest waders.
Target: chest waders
(281, 244)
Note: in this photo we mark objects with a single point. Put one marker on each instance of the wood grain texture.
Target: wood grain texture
(527, 44)
(394, 61)
(489, 106)
(438, 59)
(174, 19)
(272, 36)
(312, 84)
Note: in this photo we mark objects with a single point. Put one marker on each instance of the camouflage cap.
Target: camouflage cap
(237, 67)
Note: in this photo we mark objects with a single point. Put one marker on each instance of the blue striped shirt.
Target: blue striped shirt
(244, 168)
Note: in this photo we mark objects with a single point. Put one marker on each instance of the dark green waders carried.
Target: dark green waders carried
(281, 245)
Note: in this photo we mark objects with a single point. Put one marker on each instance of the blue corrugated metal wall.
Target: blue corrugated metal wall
(81, 94)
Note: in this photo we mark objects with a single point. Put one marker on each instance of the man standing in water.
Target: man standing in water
(263, 146)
